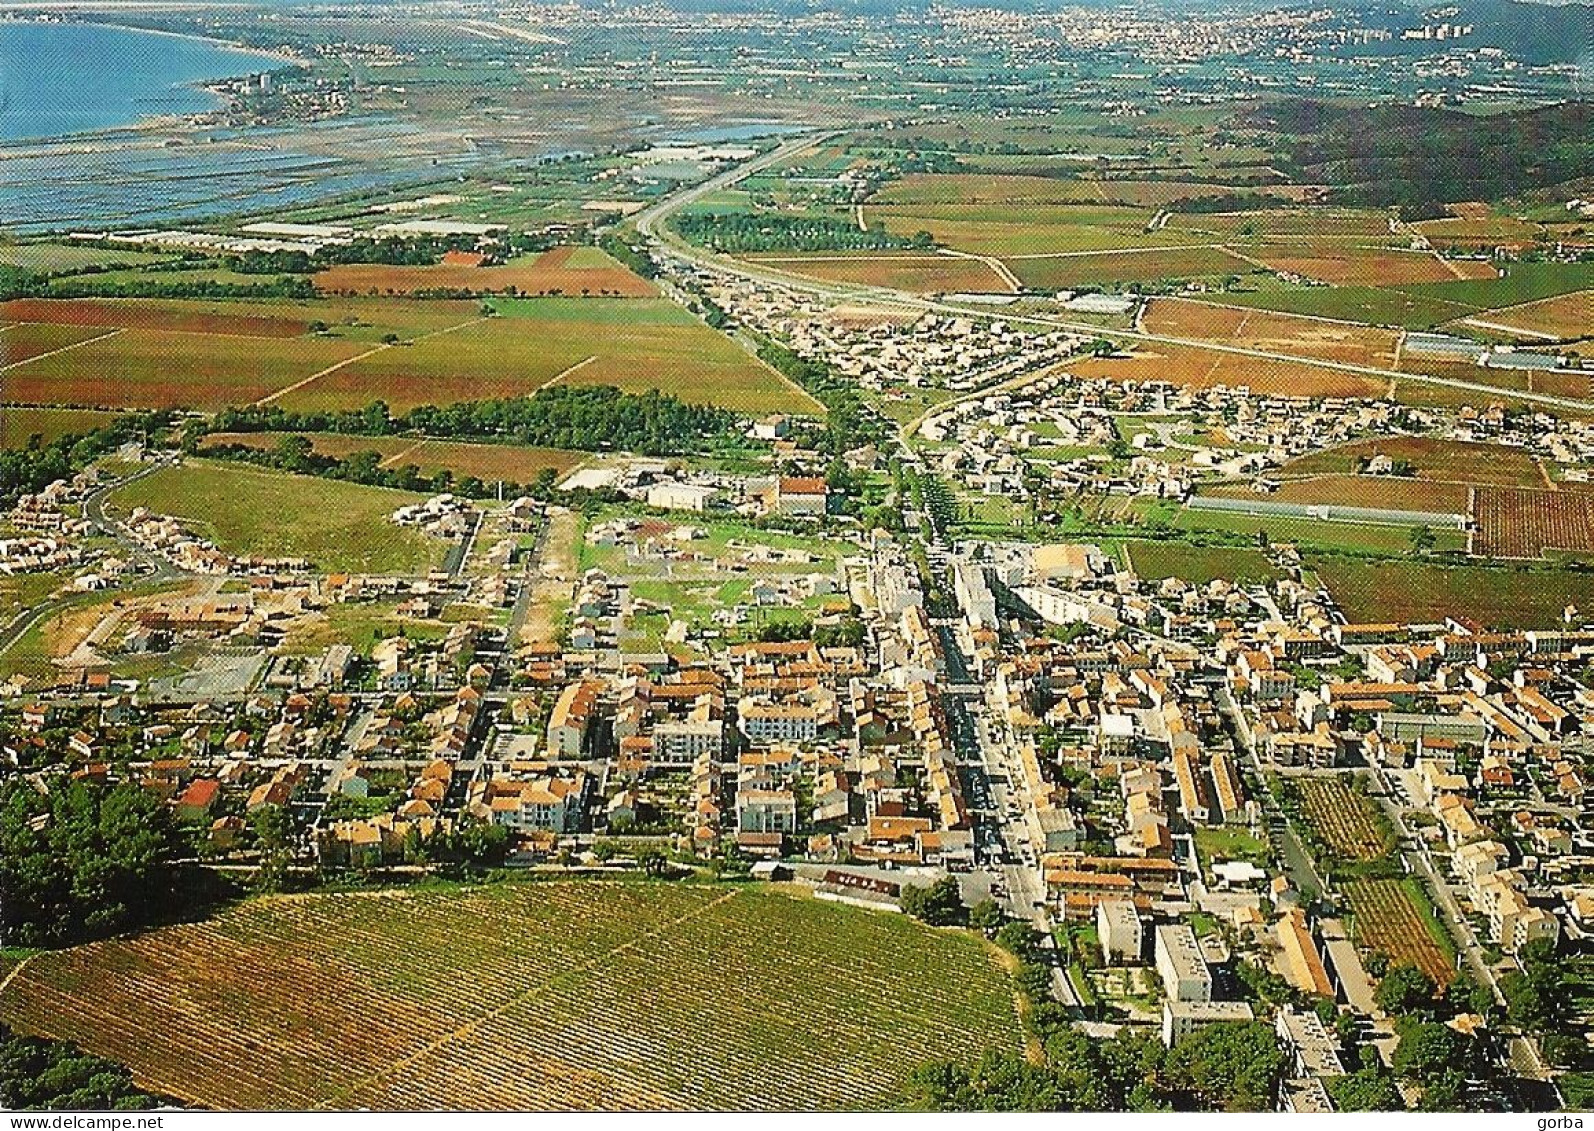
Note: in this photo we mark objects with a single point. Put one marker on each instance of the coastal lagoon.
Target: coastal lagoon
(58, 79)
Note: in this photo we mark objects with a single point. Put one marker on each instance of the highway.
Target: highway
(650, 223)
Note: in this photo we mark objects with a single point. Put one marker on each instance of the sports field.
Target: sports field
(528, 996)
(251, 511)
(511, 463)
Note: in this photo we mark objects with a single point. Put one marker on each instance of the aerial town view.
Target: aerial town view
(734, 555)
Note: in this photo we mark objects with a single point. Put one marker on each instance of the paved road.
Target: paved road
(650, 224)
(160, 569)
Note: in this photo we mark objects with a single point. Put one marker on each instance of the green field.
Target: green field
(253, 512)
(19, 425)
(528, 996)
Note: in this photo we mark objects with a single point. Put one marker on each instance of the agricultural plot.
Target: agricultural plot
(1422, 593)
(1024, 228)
(210, 318)
(19, 425)
(1347, 822)
(1562, 318)
(919, 274)
(253, 512)
(642, 345)
(1022, 189)
(1374, 306)
(47, 258)
(1378, 492)
(1452, 461)
(1390, 921)
(23, 341)
(550, 272)
(511, 463)
(1272, 333)
(151, 369)
(528, 996)
(1198, 564)
(1374, 267)
(1136, 265)
(1196, 368)
(1518, 523)
(1317, 223)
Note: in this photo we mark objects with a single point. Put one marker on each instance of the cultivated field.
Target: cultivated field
(541, 996)
(1422, 593)
(1380, 492)
(1272, 333)
(1453, 461)
(511, 463)
(1060, 272)
(1348, 823)
(1374, 267)
(917, 273)
(21, 342)
(1564, 317)
(19, 425)
(211, 318)
(550, 272)
(1389, 920)
(150, 369)
(1515, 523)
(254, 512)
(1198, 564)
(1197, 368)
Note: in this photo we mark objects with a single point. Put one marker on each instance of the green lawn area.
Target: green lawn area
(1217, 844)
(249, 511)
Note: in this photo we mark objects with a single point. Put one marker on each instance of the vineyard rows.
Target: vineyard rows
(568, 995)
(1388, 921)
(1349, 824)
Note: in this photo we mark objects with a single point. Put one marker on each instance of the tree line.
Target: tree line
(579, 417)
(761, 231)
(40, 463)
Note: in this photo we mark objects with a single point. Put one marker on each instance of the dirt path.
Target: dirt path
(568, 370)
(555, 573)
(999, 268)
(297, 385)
(64, 349)
(393, 460)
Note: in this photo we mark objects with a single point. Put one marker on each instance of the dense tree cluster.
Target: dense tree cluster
(1418, 157)
(765, 231)
(584, 418)
(40, 1075)
(27, 469)
(83, 861)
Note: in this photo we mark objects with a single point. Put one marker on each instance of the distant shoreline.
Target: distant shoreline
(214, 41)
